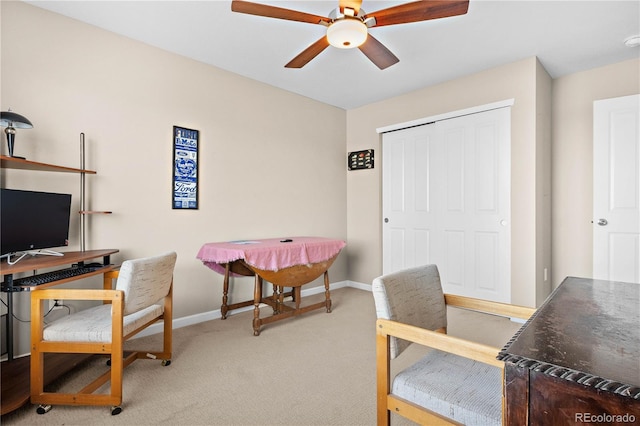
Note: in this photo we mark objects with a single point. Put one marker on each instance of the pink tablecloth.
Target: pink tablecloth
(270, 254)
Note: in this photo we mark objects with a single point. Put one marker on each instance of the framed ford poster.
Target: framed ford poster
(185, 168)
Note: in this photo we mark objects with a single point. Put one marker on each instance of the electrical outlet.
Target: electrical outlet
(55, 304)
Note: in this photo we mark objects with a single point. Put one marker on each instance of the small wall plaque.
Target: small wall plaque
(359, 160)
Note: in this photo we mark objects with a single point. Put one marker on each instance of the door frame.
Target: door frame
(446, 115)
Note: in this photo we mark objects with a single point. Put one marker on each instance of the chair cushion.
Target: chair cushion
(145, 281)
(94, 324)
(461, 389)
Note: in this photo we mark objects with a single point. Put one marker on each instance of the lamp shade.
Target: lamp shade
(347, 33)
(17, 121)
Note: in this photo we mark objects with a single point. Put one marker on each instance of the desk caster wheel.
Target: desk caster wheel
(166, 362)
(42, 409)
(115, 410)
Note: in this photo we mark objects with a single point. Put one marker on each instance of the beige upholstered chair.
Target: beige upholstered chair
(460, 382)
(142, 296)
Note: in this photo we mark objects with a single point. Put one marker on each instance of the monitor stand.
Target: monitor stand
(43, 252)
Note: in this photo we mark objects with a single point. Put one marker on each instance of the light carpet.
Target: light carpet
(314, 369)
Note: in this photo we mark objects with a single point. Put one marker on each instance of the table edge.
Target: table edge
(560, 372)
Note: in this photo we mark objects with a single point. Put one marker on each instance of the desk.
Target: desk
(577, 357)
(284, 262)
(15, 380)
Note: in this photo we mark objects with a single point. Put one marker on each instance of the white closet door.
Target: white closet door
(446, 200)
(407, 195)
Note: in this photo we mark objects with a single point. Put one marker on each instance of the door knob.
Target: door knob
(386, 220)
(602, 222)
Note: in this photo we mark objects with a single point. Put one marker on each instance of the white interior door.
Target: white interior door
(446, 200)
(616, 189)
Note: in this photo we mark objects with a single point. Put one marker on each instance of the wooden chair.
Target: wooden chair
(143, 296)
(459, 382)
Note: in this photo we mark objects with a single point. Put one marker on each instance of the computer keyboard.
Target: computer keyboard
(58, 275)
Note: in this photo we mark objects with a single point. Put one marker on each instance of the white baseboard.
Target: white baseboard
(359, 286)
(216, 314)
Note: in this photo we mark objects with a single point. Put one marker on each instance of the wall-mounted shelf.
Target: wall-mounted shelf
(94, 212)
(19, 163)
(22, 164)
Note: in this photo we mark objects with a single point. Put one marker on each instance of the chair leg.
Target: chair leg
(43, 409)
(117, 368)
(37, 373)
(167, 319)
(37, 357)
(383, 386)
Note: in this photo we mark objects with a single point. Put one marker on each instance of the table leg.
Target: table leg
(280, 298)
(276, 306)
(225, 291)
(326, 291)
(277, 299)
(257, 298)
(296, 292)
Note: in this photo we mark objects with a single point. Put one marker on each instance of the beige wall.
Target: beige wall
(521, 81)
(272, 163)
(572, 152)
(69, 77)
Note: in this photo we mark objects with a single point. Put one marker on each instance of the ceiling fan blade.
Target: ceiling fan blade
(250, 8)
(351, 4)
(422, 10)
(309, 53)
(378, 53)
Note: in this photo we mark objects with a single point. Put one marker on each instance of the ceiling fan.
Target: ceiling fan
(347, 26)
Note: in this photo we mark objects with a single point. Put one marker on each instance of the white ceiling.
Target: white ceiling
(567, 37)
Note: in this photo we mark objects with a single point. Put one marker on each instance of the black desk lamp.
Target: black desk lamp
(11, 121)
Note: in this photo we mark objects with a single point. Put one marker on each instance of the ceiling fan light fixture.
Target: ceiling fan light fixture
(632, 41)
(347, 33)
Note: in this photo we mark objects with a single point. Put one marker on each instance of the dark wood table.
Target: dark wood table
(577, 359)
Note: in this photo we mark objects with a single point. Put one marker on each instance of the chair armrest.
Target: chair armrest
(504, 309)
(472, 350)
(108, 277)
(112, 274)
(75, 294)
